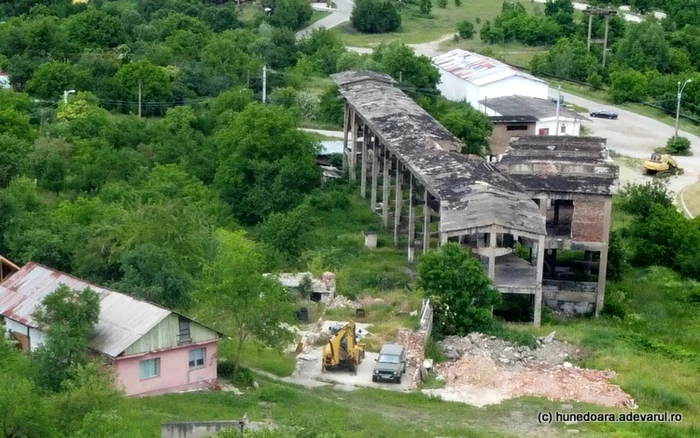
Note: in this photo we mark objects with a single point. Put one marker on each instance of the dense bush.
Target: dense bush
(375, 16)
(678, 145)
(465, 29)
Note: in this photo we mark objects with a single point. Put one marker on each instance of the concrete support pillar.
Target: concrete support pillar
(353, 153)
(411, 219)
(444, 239)
(363, 169)
(590, 28)
(346, 119)
(603, 267)
(398, 201)
(375, 175)
(543, 207)
(492, 257)
(386, 184)
(538, 287)
(426, 222)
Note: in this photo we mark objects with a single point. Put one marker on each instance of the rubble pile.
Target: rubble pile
(566, 382)
(340, 301)
(414, 343)
(549, 350)
(485, 362)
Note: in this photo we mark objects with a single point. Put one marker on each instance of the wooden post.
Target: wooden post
(411, 219)
(386, 183)
(426, 222)
(397, 202)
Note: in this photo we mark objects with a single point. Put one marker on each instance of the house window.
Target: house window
(197, 357)
(563, 129)
(544, 131)
(184, 333)
(150, 368)
(516, 128)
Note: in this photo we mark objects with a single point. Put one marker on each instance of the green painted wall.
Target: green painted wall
(165, 335)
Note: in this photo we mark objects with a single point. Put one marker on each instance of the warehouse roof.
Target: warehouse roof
(472, 192)
(532, 106)
(478, 69)
(123, 319)
(561, 164)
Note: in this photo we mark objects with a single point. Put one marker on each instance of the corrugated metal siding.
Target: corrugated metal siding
(477, 69)
(165, 335)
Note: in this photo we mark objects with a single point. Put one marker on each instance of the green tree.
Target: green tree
(51, 79)
(458, 3)
(628, 85)
(24, 412)
(289, 13)
(236, 291)
(639, 199)
(286, 232)
(155, 82)
(471, 126)
(400, 62)
(459, 288)
(425, 6)
(465, 29)
(595, 81)
(442, 4)
(14, 160)
(68, 318)
(331, 107)
(95, 28)
(644, 47)
(266, 164)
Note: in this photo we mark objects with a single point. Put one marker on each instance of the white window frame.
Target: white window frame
(193, 362)
(155, 360)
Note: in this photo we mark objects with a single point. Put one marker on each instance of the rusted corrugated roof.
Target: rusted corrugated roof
(478, 69)
(475, 192)
(123, 319)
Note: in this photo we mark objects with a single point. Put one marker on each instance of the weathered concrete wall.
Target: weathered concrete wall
(570, 298)
(415, 341)
(587, 224)
(202, 429)
(500, 136)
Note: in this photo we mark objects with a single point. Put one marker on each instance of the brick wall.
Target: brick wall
(587, 224)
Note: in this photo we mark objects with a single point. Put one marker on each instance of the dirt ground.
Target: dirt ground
(488, 370)
(308, 373)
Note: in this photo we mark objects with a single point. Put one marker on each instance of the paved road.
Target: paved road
(637, 136)
(340, 15)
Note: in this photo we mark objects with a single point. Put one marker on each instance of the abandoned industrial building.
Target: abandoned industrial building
(548, 194)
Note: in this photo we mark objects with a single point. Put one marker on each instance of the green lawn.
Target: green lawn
(417, 28)
(691, 197)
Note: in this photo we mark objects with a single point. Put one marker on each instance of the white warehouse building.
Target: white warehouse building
(472, 77)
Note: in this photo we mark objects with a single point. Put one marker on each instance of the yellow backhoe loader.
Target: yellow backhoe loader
(661, 165)
(342, 350)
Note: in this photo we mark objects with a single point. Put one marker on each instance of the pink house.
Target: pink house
(153, 350)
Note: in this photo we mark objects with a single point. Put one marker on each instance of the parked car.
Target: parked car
(604, 114)
(391, 363)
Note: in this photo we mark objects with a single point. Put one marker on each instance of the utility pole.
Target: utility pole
(558, 105)
(139, 98)
(400, 76)
(678, 103)
(264, 97)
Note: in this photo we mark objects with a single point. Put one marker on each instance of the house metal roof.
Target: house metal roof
(472, 192)
(478, 69)
(511, 106)
(562, 164)
(123, 319)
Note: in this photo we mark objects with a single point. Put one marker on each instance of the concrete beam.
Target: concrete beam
(363, 169)
(574, 297)
(375, 175)
(411, 220)
(386, 184)
(353, 154)
(426, 222)
(492, 259)
(488, 252)
(397, 201)
(540, 274)
(603, 267)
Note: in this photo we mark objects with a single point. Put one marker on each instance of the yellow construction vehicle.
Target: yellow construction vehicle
(661, 165)
(342, 350)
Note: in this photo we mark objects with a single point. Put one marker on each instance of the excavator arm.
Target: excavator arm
(342, 349)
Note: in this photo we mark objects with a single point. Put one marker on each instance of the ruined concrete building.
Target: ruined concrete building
(432, 194)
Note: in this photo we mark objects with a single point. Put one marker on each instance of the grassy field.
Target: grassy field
(691, 197)
(417, 28)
